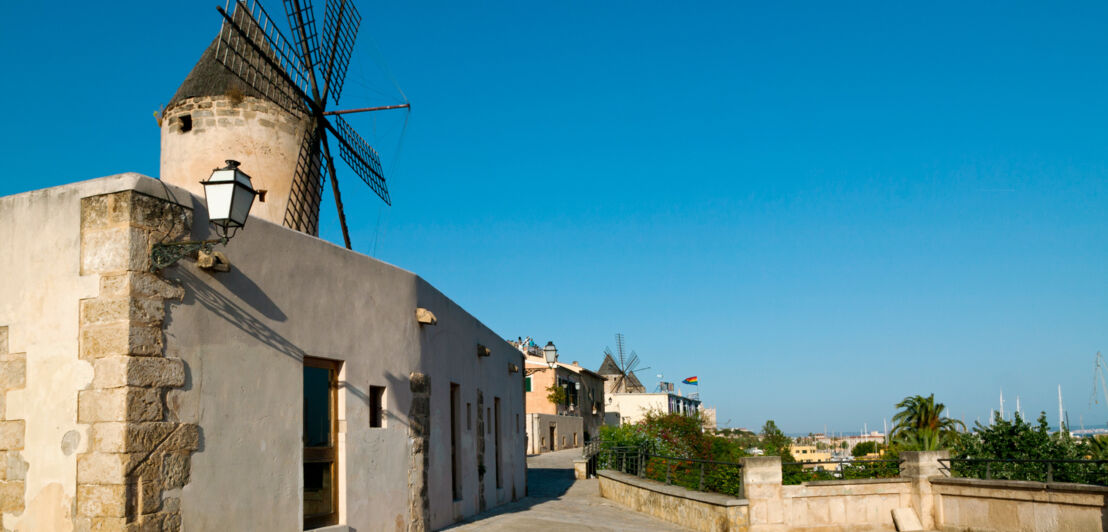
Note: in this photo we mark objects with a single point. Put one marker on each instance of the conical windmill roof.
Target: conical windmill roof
(211, 78)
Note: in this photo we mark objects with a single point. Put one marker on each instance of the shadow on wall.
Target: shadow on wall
(198, 291)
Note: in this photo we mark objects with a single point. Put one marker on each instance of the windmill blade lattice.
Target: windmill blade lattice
(340, 28)
(302, 21)
(362, 158)
(252, 48)
(306, 195)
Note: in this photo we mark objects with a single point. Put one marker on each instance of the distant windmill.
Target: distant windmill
(301, 77)
(627, 364)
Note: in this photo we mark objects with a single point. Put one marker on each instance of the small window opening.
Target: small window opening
(376, 406)
(186, 123)
(469, 416)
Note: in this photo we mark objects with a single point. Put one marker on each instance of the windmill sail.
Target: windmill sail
(290, 74)
(340, 27)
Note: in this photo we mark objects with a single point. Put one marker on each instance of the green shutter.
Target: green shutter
(527, 386)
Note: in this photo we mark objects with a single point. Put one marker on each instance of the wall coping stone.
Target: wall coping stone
(1028, 485)
(716, 499)
(895, 480)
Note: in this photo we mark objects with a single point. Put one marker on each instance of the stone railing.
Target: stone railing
(922, 498)
(975, 504)
(694, 509)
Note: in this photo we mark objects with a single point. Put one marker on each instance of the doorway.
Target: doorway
(552, 445)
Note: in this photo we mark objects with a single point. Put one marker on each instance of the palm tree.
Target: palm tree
(921, 426)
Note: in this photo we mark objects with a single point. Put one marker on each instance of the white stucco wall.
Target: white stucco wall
(632, 407)
(40, 291)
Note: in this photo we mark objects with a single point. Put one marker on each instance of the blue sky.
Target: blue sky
(816, 209)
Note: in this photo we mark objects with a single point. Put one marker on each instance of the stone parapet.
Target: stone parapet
(975, 504)
(694, 509)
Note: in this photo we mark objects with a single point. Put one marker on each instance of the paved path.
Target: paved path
(556, 502)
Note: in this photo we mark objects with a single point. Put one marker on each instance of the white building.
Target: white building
(632, 407)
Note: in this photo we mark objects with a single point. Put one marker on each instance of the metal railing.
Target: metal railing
(798, 472)
(690, 473)
(1077, 471)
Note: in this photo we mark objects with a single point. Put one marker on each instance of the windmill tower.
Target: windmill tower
(257, 98)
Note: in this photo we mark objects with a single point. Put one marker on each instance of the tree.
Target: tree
(1017, 441)
(921, 426)
(774, 442)
(556, 394)
(864, 448)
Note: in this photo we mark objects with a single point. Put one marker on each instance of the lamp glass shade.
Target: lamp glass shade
(551, 354)
(229, 195)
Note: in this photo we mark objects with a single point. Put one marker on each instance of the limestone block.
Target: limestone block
(147, 311)
(138, 284)
(175, 470)
(580, 469)
(94, 212)
(169, 220)
(108, 524)
(13, 373)
(3, 340)
(104, 310)
(120, 338)
(112, 372)
(906, 520)
(114, 249)
(11, 496)
(127, 403)
(102, 500)
(105, 468)
(118, 437)
(11, 434)
(144, 497)
(171, 522)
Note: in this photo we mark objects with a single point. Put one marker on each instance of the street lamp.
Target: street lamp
(551, 354)
(229, 195)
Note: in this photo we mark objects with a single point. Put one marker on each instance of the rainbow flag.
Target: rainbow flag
(691, 380)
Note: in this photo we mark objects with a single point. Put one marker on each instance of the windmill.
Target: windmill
(302, 77)
(625, 365)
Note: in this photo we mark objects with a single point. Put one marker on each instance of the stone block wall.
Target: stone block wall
(419, 432)
(709, 512)
(137, 452)
(13, 469)
(964, 504)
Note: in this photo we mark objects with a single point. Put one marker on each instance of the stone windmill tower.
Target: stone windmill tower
(258, 99)
(215, 115)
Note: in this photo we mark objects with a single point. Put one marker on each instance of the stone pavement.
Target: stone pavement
(557, 502)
